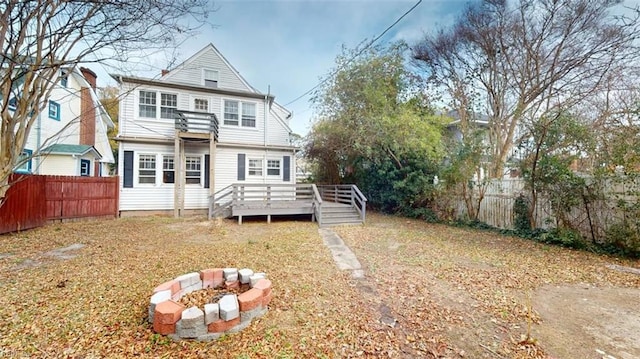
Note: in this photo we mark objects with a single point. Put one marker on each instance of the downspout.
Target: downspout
(266, 150)
(38, 142)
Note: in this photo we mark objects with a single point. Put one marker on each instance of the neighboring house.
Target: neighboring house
(481, 123)
(70, 135)
(196, 130)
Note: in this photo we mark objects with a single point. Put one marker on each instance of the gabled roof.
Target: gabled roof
(210, 46)
(477, 119)
(67, 149)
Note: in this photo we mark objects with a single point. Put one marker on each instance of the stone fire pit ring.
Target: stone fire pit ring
(231, 314)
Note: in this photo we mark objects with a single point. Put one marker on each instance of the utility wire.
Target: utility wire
(356, 55)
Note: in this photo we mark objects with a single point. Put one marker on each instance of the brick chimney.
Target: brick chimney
(164, 72)
(87, 109)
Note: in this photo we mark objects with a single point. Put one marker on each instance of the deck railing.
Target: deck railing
(197, 122)
(346, 194)
(265, 194)
(246, 194)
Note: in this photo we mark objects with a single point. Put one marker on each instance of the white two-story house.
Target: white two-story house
(69, 137)
(197, 129)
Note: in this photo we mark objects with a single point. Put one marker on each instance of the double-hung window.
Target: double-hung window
(248, 114)
(54, 110)
(210, 78)
(168, 170)
(147, 169)
(255, 167)
(231, 112)
(273, 167)
(238, 113)
(168, 105)
(192, 168)
(147, 104)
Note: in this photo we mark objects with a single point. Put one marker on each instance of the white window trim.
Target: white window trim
(158, 104)
(162, 156)
(240, 102)
(248, 174)
(137, 107)
(192, 102)
(201, 170)
(204, 70)
(136, 170)
(266, 165)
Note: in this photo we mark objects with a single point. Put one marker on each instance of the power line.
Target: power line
(356, 55)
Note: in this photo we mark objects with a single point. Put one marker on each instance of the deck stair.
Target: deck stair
(328, 205)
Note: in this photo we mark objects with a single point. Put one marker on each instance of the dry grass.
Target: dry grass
(437, 282)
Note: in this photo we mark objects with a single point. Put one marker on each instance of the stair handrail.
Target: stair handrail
(317, 204)
(227, 191)
(357, 196)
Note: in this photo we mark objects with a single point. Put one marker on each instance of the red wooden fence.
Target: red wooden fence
(34, 200)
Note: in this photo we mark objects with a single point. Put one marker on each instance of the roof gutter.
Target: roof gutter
(149, 82)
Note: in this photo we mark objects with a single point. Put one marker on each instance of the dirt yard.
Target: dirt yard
(81, 290)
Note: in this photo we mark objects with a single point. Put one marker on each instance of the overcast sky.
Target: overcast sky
(287, 46)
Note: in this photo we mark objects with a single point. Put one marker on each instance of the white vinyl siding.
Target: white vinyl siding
(160, 197)
(192, 71)
(133, 126)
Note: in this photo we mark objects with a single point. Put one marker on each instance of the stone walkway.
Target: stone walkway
(343, 256)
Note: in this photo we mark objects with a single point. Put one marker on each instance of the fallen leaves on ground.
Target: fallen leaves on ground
(436, 287)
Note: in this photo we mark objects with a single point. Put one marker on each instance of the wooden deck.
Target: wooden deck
(327, 205)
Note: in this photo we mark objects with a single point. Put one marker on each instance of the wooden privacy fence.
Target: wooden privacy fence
(34, 200)
(591, 219)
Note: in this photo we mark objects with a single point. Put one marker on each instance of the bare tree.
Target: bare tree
(517, 61)
(38, 38)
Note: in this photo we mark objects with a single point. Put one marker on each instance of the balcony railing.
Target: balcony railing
(197, 122)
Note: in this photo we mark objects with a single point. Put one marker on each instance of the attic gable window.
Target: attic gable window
(210, 78)
(64, 77)
(54, 110)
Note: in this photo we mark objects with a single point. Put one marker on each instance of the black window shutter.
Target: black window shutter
(206, 171)
(128, 169)
(241, 166)
(286, 168)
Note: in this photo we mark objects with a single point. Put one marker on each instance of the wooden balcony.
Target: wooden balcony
(191, 124)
